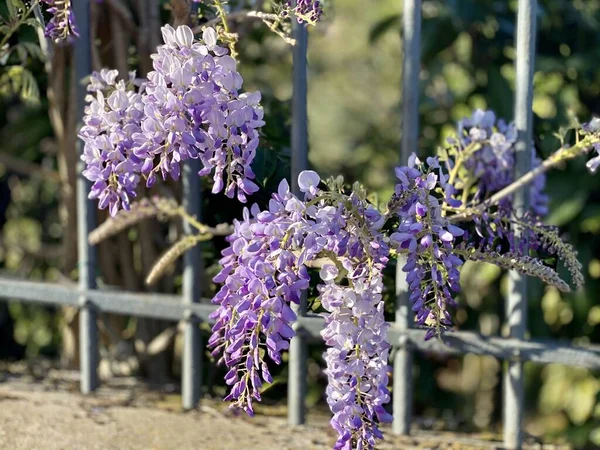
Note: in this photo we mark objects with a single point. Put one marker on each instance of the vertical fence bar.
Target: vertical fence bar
(516, 303)
(192, 273)
(298, 345)
(411, 63)
(191, 371)
(86, 215)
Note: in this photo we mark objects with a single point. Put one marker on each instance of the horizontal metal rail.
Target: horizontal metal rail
(149, 305)
(170, 307)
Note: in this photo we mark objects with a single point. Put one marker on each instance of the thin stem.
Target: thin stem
(222, 230)
(270, 20)
(559, 156)
(223, 15)
(45, 43)
(240, 15)
(454, 171)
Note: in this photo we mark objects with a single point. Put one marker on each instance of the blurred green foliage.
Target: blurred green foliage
(354, 96)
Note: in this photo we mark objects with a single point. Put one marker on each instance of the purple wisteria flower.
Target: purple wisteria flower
(191, 107)
(428, 239)
(264, 272)
(194, 109)
(305, 11)
(492, 161)
(262, 278)
(113, 117)
(61, 27)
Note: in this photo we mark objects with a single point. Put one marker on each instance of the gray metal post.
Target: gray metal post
(86, 215)
(516, 303)
(192, 273)
(191, 372)
(411, 63)
(298, 345)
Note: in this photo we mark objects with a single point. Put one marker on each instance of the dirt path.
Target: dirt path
(38, 419)
(46, 412)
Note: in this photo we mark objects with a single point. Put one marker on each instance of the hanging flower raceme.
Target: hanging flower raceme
(427, 239)
(191, 107)
(355, 330)
(194, 109)
(357, 357)
(61, 27)
(113, 117)
(264, 272)
(262, 278)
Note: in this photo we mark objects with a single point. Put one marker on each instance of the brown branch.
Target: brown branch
(125, 16)
(148, 32)
(96, 60)
(181, 12)
(28, 168)
(120, 44)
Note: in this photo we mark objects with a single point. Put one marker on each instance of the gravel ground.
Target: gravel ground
(44, 411)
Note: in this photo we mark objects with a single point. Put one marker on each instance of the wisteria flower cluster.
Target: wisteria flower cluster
(357, 355)
(113, 118)
(433, 220)
(189, 107)
(487, 147)
(265, 269)
(445, 211)
(428, 237)
(305, 11)
(61, 27)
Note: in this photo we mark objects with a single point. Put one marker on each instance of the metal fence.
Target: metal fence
(191, 309)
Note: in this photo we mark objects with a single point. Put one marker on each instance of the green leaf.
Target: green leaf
(383, 26)
(12, 11)
(437, 35)
(31, 49)
(20, 81)
(590, 220)
(21, 53)
(33, 23)
(264, 165)
(18, 4)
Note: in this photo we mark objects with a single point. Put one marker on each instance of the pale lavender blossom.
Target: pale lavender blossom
(262, 279)
(190, 107)
(194, 109)
(357, 360)
(112, 118)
